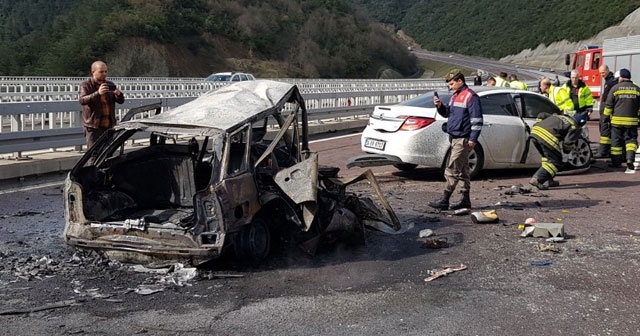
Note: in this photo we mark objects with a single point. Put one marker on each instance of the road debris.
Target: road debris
(436, 273)
(435, 243)
(548, 248)
(484, 217)
(543, 230)
(541, 263)
(48, 306)
(462, 212)
(425, 233)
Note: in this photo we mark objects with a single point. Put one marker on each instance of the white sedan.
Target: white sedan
(410, 134)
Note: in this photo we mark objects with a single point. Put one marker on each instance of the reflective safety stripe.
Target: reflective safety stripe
(626, 92)
(616, 150)
(549, 167)
(546, 136)
(605, 140)
(624, 121)
(631, 147)
(607, 111)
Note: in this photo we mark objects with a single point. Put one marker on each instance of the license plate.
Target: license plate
(374, 143)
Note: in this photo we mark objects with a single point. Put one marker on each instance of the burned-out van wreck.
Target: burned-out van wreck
(221, 174)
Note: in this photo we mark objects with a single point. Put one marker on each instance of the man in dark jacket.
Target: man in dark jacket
(463, 126)
(604, 147)
(553, 135)
(98, 98)
(621, 109)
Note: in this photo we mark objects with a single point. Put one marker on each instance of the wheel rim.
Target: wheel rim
(582, 155)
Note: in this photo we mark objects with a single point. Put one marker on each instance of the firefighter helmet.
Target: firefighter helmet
(581, 119)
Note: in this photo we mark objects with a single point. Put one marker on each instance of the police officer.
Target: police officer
(621, 109)
(579, 93)
(553, 135)
(604, 147)
(463, 126)
(556, 94)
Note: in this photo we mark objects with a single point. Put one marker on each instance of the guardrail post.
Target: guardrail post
(74, 121)
(16, 126)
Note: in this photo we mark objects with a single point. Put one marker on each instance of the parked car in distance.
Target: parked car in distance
(410, 134)
(230, 77)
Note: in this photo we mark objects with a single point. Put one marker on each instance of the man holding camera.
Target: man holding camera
(98, 98)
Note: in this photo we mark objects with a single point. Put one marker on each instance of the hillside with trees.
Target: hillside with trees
(272, 38)
(495, 29)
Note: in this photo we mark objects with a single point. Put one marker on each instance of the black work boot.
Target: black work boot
(552, 183)
(465, 202)
(443, 203)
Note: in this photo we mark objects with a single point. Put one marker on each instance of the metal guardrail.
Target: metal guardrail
(40, 113)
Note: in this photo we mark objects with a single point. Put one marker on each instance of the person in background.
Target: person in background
(98, 97)
(463, 126)
(579, 93)
(621, 109)
(501, 80)
(604, 144)
(477, 81)
(491, 81)
(552, 135)
(515, 83)
(556, 94)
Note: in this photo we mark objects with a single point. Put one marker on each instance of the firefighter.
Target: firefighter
(557, 95)
(621, 109)
(515, 83)
(579, 93)
(501, 80)
(609, 80)
(553, 135)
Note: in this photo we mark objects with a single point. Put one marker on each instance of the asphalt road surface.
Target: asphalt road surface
(511, 287)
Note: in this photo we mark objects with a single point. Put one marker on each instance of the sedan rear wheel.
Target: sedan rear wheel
(476, 160)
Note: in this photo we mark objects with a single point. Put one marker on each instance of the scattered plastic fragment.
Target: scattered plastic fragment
(555, 239)
(462, 212)
(425, 233)
(541, 263)
(436, 273)
(548, 248)
(484, 217)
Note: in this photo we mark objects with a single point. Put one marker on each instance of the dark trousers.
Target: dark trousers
(92, 134)
(627, 137)
(604, 148)
(551, 161)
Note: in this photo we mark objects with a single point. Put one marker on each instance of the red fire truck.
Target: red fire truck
(587, 61)
(617, 53)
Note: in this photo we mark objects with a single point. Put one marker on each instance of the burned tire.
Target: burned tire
(253, 243)
(405, 166)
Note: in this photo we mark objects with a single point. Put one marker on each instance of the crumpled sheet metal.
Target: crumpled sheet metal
(300, 182)
(374, 183)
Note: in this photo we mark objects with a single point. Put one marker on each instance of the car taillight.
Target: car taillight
(415, 123)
